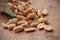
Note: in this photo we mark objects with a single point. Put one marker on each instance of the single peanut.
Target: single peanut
(27, 11)
(39, 13)
(42, 20)
(36, 18)
(34, 24)
(11, 26)
(30, 15)
(30, 29)
(20, 17)
(14, 20)
(48, 28)
(41, 26)
(44, 12)
(25, 5)
(25, 25)
(21, 9)
(22, 22)
(20, 13)
(18, 28)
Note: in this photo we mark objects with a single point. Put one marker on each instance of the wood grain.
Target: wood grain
(53, 6)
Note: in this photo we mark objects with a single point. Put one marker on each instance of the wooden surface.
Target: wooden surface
(53, 6)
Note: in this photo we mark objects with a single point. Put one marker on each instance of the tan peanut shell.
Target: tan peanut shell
(21, 9)
(39, 13)
(42, 20)
(20, 17)
(29, 10)
(44, 12)
(48, 28)
(25, 25)
(41, 26)
(29, 16)
(36, 18)
(34, 24)
(22, 22)
(25, 5)
(29, 29)
(14, 20)
(18, 28)
(11, 26)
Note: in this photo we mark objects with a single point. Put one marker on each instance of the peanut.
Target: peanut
(25, 5)
(36, 18)
(30, 29)
(11, 26)
(48, 28)
(14, 20)
(30, 16)
(39, 13)
(25, 25)
(22, 22)
(42, 20)
(21, 9)
(27, 11)
(44, 12)
(34, 24)
(41, 26)
(18, 28)
(11, 6)
(20, 17)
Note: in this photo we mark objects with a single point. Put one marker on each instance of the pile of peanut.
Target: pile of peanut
(28, 18)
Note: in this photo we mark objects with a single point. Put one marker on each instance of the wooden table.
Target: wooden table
(53, 6)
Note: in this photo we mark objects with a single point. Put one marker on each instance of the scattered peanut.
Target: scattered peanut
(36, 18)
(25, 5)
(44, 12)
(22, 22)
(42, 20)
(14, 20)
(18, 28)
(21, 9)
(20, 17)
(34, 24)
(41, 26)
(29, 10)
(11, 26)
(39, 13)
(30, 29)
(48, 28)
(30, 16)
